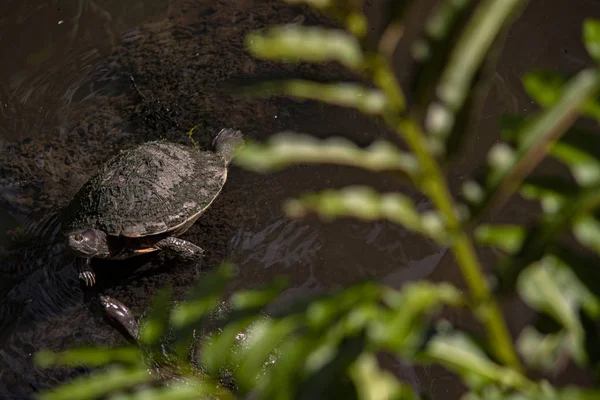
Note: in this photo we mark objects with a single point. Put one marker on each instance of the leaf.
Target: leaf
(551, 191)
(543, 235)
(99, 384)
(591, 38)
(461, 354)
(368, 101)
(587, 231)
(550, 286)
(260, 350)
(155, 324)
(92, 357)
(578, 149)
(543, 351)
(374, 383)
(311, 44)
(199, 303)
(289, 148)
(584, 267)
(433, 49)
(547, 87)
(508, 238)
(403, 329)
(366, 204)
(345, 11)
(507, 167)
(454, 86)
(191, 389)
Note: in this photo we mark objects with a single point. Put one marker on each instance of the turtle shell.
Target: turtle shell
(151, 189)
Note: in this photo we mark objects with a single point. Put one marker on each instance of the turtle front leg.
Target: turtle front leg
(86, 273)
(183, 248)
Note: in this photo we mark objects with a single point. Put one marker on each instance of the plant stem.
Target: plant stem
(435, 186)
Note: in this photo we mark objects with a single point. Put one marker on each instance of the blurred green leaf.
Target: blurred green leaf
(154, 326)
(467, 56)
(366, 204)
(252, 298)
(507, 238)
(345, 94)
(260, 350)
(544, 234)
(578, 149)
(289, 148)
(587, 231)
(403, 328)
(584, 267)
(93, 357)
(311, 44)
(346, 11)
(508, 168)
(550, 287)
(459, 353)
(200, 301)
(551, 191)
(547, 87)
(430, 51)
(544, 351)
(190, 389)
(591, 38)
(374, 383)
(99, 384)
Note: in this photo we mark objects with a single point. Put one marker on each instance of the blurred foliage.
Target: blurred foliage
(328, 346)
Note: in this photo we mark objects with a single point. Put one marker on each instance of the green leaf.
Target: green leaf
(583, 265)
(92, 357)
(260, 350)
(99, 384)
(547, 87)
(188, 390)
(543, 351)
(345, 11)
(578, 149)
(403, 329)
(544, 234)
(154, 326)
(467, 56)
(461, 354)
(587, 232)
(367, 101)
(551, 191)
(508, 238)
(289, 148)
(433, 49)
(507, 167)
(591, 38)
(311, 44)
(374, 383)
(366, 204)
(551, 287)
(203, 299)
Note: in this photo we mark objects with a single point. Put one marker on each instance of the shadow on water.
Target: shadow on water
(67, 104)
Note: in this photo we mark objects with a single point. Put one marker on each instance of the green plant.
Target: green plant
(327, 346)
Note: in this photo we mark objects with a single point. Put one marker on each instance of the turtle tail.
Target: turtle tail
(227, 142)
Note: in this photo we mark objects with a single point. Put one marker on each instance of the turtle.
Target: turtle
(142, 199)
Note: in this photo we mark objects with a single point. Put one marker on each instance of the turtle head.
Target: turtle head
(227, 142)
(120, 314)
(88, 243)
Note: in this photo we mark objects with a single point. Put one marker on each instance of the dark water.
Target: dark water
(67, 104)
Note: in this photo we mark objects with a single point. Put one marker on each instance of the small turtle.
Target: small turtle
(142, 199)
